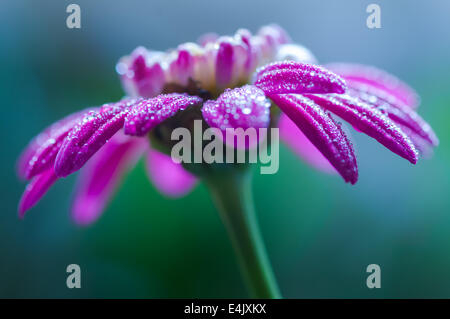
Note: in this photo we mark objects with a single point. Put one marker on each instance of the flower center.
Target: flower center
(192, 88)
(204, 69)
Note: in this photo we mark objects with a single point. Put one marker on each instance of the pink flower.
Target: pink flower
(229, 82)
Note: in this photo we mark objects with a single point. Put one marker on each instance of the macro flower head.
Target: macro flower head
(240, 81)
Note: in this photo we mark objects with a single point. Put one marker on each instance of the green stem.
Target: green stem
(231, 193)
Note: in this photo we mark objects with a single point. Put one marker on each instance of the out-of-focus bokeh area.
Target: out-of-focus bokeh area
(320, 232)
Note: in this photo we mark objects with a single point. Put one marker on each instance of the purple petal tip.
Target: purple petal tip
(35, 190)
(294, 77)
(320, 128)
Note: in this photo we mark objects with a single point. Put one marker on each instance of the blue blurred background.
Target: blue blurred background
(320, 233)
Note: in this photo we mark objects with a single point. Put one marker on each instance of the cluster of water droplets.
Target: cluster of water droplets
(400, 113)
(324, 132)
(145, 114)
(243, 107)
(294, 77)
(371, 121)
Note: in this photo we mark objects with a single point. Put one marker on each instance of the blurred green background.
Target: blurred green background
(320, 232)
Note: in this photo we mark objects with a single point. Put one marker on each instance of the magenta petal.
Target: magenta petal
(149, 80)
(377, 78)
(320, 128)
(182, 67)
(34, 191)
(101, 176)
(207, 38)
(224, 63)
(88, 136)
(141, 73)
(422, 145)
(397, 111)
(26, 156)
(302, 146)
(169, 178)
(245, 36)
(146, 114)
(40, 153)
(295, 77)
(370, 121)
(45, 156)
(244, 107)
(274, 34)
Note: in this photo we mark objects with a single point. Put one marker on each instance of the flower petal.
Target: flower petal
(274, 34)
(252, 53)
(377, 78)
(141, 73)
(206, 38)
(422, 145)
(296, 53)
(302, 146)
(45, 156)
(181, 68)
(40, 153)
(169, 178)
(224, 64)
(146, 114)
(102, 174)
(397, 111)
(34, 191)
(320, 128)
(244, 107)
(370, 121)
(295, 77)
(89, 135)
